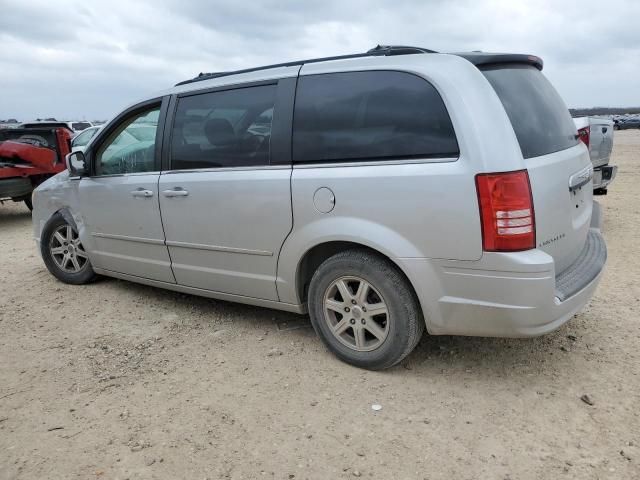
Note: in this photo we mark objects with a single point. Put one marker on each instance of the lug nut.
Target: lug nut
(353, 302)
(364, 309)
(363, 321)
(352, 321)
(346, 309)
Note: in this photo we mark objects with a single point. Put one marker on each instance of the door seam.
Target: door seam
(164, 234)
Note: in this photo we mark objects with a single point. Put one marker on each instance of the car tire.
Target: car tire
(63, 253)
(340, 291)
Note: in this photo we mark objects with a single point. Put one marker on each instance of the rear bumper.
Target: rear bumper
(604, 175)
(15, 187)
(506, 294)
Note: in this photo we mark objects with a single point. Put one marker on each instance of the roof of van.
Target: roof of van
(478, 58)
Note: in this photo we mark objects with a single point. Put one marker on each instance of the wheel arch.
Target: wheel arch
(315, 255)
(66, 214)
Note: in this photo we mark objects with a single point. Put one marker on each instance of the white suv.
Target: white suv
(382, 193)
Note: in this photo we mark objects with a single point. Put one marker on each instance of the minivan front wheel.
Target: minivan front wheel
(364, 309)
(63, 253)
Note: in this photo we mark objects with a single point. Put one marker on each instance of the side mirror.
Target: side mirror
(76, 164)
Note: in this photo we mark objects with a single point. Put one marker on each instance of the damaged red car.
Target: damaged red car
(29, 155)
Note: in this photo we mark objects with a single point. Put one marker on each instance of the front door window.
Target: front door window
(131, 148)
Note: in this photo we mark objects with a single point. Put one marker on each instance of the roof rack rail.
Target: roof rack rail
(378, 50)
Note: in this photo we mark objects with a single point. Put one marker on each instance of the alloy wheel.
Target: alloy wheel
(356, 313)
(67, 251)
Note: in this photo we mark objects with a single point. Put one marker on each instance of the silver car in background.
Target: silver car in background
(383, 193)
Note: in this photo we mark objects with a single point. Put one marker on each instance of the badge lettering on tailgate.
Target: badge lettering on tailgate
(552, 240)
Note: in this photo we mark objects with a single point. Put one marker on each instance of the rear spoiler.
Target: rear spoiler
(482, 59)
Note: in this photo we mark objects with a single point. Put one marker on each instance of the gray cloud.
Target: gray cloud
(79, 59)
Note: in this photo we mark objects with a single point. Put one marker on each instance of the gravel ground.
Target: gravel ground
(118, 380)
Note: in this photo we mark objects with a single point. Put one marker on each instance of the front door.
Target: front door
(119, 200)
(226, 207)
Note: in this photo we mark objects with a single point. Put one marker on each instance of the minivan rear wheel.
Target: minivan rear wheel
(63, 253)
(364, 309)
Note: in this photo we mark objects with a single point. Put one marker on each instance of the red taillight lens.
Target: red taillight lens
(583, 134)
(506, 211)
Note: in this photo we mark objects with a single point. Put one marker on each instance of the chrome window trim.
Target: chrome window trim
(373, 163)
(227, 169)
(131, 174)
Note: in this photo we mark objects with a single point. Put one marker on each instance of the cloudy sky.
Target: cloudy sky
(88, 59)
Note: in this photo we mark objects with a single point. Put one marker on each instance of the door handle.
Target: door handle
(176, 192)
(581, 178)
(141, 192)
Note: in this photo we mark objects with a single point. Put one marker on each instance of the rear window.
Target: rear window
(360, 116)
(539, 117)
(80, 125)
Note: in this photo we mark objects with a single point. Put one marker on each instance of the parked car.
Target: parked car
(73, 126)
(597, 134)
(625, 123)
(28, 156)
(382, 193)
(80, 141)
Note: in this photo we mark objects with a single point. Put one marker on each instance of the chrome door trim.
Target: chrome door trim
(581, 178)
(219, 248)
(128, 238)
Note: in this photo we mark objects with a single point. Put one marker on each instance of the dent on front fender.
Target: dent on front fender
(56, 194)
(336, 229)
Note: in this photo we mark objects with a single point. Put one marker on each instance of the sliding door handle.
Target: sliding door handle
(141, 192)
(176, 192)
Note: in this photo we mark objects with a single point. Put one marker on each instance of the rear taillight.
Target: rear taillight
(583, 134)
(506, 211)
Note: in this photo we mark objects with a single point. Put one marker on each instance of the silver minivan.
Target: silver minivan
(383, 193)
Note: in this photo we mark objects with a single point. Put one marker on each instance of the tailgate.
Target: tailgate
(600, 140)
(563, 216)
(554, 157)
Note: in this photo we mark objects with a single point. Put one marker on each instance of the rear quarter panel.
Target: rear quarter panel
(421, 209)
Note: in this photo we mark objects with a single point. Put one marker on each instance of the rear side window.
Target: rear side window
(539, 117)
(370, 115)
(230, 128)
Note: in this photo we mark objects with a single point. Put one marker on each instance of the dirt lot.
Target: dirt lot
(117, 380)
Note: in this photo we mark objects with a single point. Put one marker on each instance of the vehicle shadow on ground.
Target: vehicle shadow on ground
(13, 217)
(492, 356)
